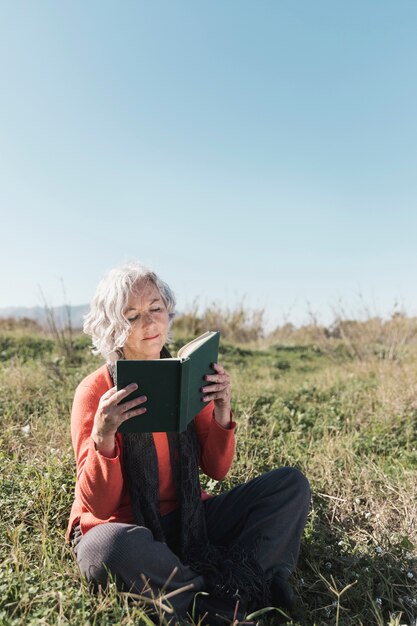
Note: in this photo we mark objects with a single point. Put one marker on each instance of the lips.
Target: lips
(149, 338)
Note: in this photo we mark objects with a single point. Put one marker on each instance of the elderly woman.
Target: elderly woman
(139, 513)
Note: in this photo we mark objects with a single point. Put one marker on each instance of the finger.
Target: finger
(212, 388)
(220, 371)
(129, 414)
(216, 378)
(127, 406)
(217, 367)
(223, 380)
(115, 399)
(220, 395)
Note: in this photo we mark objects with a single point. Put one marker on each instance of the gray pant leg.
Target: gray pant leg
(266, 515)
(129, 553)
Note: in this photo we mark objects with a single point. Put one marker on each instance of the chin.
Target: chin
(154, 348)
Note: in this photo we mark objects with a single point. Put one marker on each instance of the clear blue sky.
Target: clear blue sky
(259, 149)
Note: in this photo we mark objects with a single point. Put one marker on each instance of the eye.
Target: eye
(156, 310)
(132, 319)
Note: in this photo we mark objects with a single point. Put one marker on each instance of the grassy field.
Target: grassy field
(342, 407)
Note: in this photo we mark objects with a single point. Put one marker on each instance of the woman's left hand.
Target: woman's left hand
(219, 392)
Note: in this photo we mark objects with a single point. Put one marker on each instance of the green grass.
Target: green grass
(349, 424)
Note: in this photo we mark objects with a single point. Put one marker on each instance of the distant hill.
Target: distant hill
(38, 314)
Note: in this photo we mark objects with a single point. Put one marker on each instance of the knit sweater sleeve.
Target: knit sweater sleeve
(99, 482)
(217, 444)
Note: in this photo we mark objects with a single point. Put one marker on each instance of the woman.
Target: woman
(139, 512)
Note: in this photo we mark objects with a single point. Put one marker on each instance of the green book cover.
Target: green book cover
(172, 386)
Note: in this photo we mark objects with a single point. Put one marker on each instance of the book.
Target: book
(172, 386)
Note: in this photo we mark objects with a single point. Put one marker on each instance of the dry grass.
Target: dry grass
(237, 325)
(347, 420)
(372, 337)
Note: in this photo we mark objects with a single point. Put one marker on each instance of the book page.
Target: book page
(194, 344)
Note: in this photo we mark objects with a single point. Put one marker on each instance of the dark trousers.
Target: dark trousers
(266, 514)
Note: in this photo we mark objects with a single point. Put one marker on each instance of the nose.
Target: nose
(146, 318)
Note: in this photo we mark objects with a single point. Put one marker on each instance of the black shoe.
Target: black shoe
(214, 611)
(281, 593)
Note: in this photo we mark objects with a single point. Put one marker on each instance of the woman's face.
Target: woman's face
(149, 320)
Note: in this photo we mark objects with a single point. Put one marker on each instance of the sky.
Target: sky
(261, 152)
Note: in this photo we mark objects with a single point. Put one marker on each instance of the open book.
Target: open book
(172, 386)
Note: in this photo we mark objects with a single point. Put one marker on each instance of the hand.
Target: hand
(219, 392)
(110, 414)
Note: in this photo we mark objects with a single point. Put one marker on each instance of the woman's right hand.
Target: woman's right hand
(110, 414)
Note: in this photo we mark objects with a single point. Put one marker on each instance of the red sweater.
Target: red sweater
(101, 494)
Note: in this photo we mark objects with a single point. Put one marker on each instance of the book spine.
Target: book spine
(184, 417)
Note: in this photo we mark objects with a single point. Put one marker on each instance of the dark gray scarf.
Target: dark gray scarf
(230, 572)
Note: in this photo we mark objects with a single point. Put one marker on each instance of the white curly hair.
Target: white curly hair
(106, 322)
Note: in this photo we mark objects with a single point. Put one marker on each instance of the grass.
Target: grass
(346, 416)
